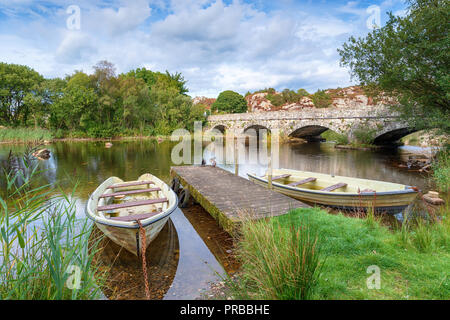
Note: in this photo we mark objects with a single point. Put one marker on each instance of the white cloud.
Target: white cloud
(216, 46)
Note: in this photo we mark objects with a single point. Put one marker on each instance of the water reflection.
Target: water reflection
(180, 264)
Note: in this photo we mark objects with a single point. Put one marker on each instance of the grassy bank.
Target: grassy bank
(413, 260)
(23, 135)
(45, 252)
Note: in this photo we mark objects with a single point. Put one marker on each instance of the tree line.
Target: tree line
(103, 104)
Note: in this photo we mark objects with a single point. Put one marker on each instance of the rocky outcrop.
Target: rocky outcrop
(350, 97)
(208, 102)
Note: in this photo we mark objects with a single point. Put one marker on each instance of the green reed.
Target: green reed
(45, 250)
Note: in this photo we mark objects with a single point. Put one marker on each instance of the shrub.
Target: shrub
(441, 171)
(321, 99)
(365, 135)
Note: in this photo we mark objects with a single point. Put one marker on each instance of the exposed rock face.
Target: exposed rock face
(208, 102)
(350, 97)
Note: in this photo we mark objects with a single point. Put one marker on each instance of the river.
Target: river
(190, 250)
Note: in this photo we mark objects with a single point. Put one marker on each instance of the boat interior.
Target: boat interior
(330, 183)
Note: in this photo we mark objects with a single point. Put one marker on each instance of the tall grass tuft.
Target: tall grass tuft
(45, 250)
(21, 135)
(278, 262)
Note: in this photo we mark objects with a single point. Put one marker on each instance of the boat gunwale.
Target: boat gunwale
(407, 189)
(130, 224)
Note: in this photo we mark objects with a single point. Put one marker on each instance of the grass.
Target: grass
(21, 135)
(279, 263)
(45, 250)
(441, 171)
(413, 260)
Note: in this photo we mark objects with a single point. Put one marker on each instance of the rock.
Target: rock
(433, 194)
(47, 142)
(42, 154)
(435, 201)
(108, 145)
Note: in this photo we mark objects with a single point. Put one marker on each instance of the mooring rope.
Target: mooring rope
(144, 261)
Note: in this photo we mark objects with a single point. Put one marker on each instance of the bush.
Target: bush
(339, 138)
(441, 171)
(321, 99)
(365, 135)
(230, 102)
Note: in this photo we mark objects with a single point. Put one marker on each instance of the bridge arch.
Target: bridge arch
(390, 135)
(310, 131)
(256, 127)
(219, 127)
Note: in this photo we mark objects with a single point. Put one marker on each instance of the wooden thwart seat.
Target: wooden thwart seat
(125, 193)
(304, 181)
(284, 176)
(131, 204)
(135, 217)
(334, 187)
(129, 184)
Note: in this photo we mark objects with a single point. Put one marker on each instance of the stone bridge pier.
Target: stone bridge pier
(380, 123)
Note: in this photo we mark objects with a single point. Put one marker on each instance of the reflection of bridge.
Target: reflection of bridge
(385, 126)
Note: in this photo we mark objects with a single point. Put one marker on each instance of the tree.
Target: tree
(408, 59)
(231, 102)
(17, 84)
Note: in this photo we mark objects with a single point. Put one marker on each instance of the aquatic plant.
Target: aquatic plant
(45, 250)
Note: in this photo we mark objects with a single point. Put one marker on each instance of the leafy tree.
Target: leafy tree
(231, 102)
(17, 85)
(409, 59)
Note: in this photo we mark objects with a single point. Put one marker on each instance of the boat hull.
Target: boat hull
(130, 238)
(127, 234)
(389, 202)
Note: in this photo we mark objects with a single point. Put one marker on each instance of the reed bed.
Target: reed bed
(45, 250)
(22, 135)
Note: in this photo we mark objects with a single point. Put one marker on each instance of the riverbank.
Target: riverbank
(412, 260)
(36, 135)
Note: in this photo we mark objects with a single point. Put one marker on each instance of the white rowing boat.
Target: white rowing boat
(340, 192)
(117, 206)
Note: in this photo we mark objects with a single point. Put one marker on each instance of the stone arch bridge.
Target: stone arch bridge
(381, 123)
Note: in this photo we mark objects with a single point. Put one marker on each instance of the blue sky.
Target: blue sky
(217, 45)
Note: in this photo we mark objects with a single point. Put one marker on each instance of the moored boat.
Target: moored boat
(340, 192)
(120, 209)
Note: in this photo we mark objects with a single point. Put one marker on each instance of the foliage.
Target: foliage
(408, 59)
(351, 245)
(44, 245)
(24, 134)
(441, 171)
(230, 102)
(286, 97)
(17, 88)
(364, 136)
(339, 138)
(99, 105)
(279, 261)
(321, 99)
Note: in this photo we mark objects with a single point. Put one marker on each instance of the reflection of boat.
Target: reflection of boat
(339, 192)
(117, 206)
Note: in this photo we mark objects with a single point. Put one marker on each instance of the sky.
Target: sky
(217, 45)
